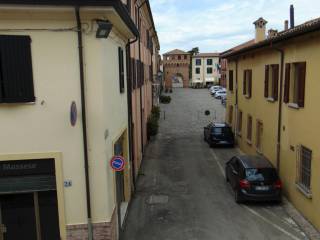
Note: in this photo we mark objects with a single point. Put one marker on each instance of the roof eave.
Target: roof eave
(270, 42)
(116, 4)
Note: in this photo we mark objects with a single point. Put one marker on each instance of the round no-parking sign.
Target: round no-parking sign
(117, 163)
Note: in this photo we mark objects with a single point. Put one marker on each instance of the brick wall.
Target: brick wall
(101, 231)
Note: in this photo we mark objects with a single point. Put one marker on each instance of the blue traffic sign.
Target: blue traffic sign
(117, 163)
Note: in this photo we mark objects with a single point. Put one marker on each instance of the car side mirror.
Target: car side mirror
(207, 112)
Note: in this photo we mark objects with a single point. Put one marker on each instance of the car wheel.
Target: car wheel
(237, 196)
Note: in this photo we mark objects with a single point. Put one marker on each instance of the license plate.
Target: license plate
(262, 188)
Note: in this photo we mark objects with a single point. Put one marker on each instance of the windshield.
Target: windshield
(262, 174)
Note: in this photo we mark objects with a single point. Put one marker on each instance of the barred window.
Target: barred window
(304, 168)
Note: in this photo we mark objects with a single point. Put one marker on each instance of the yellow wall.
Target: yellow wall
(299, 126)
(44, 126)
(257, 106)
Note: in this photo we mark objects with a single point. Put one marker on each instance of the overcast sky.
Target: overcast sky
(214, 25)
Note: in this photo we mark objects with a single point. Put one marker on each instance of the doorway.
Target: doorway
(28, 200)
(29, 216)
(122, 203)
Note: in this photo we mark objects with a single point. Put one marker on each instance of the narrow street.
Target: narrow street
(181, 191)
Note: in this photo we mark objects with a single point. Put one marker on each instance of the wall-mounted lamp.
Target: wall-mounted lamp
(104, 29)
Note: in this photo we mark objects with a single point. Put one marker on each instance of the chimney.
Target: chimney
(272, 33)
(286, 25)
(260, 26)
(291, 16)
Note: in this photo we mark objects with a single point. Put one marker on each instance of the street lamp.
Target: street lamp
(104, 28)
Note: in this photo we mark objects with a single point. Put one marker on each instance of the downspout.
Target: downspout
(141, 113)
(84, 123)
(236, 104)
(129, 102)
(280, 107)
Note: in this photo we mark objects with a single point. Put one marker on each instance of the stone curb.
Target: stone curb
(303, 223)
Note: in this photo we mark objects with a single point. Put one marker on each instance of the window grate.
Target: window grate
(304, 168)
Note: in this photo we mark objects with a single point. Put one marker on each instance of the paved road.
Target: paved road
(181, 192)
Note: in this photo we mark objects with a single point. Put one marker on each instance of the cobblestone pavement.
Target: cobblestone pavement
(181, 191)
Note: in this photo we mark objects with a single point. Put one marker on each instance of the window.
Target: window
(231, 80)
(271, 82)
(185, 57)
(304, 169)
(16, 81)
(197, 70)
(198, 62)
(239, 123)
(121, 69)
(230, 115)
(249, 129)
(209, 62)
(179, 57)
(261, 174)
(247, 83)
(209, 70)
(259, 135)
(294, 87)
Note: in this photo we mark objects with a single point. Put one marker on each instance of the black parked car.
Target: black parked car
(219, 134)
(253, 178)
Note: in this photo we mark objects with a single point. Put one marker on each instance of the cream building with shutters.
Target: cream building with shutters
(205, 69)
(64, 114)
(273, 87)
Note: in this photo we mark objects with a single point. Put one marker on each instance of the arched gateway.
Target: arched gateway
(176, 69)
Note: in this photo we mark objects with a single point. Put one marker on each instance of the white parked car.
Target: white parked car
(215, 87)
(220, 94)
(214, 90)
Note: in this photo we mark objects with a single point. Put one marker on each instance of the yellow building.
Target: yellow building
(64, 115)
(273, 85)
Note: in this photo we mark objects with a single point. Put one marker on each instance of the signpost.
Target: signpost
(117, 163)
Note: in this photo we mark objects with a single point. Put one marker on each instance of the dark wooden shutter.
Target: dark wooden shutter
(266, 81)
(301, 83)
(244, 90)
(138, 73)
(231, 80)
(287, 83)
(275, 81)
(121, 69)
(16, 69)
(142, 73)
(249, 83)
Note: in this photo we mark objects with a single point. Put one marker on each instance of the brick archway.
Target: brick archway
(174, 71)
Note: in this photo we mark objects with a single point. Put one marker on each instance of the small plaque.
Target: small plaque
(67, 183)
(73, 113)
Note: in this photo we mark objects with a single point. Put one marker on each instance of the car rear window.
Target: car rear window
(261, 174)
(221, 130)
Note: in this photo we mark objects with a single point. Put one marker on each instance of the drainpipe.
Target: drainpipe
(141, 113)
(236, 104)
(84, 123)
(280, 106)
(129, 102)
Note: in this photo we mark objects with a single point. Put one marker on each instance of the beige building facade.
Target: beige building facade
(205, 69)
(63, 118)
(272, 105)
